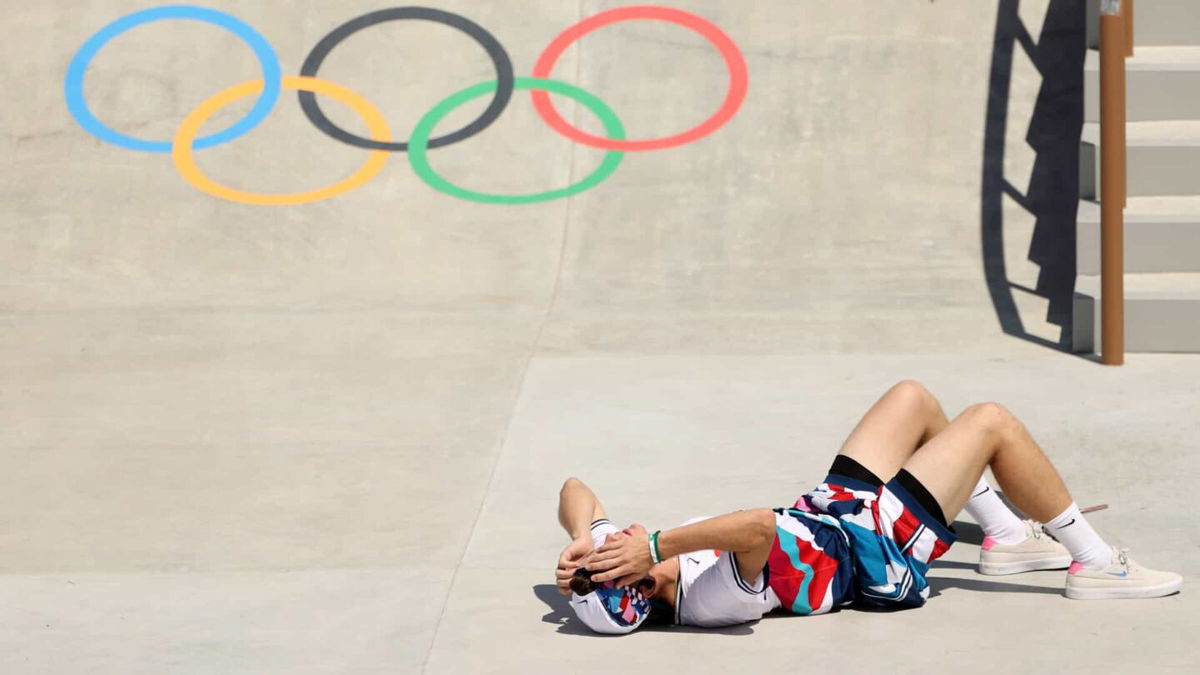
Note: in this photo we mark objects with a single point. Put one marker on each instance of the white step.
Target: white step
(1155, 22)
(1164, 159)
(1162, 234)
(1166, 22)
(1162, 313)
(1162, 83)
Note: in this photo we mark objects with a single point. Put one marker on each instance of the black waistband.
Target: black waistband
(845, 466)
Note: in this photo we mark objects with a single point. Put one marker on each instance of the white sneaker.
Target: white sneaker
(1039, 551)
(1123, 578)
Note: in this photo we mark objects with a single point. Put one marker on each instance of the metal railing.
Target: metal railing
(1116, 43)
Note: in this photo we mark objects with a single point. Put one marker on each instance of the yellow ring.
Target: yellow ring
(181, 150)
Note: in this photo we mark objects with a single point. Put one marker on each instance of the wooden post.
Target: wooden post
(1127, 20)
(1112, 188)
(1127, 17)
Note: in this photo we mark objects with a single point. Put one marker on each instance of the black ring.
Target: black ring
(504, 74)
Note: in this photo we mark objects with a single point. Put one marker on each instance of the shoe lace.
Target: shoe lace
(1123, 557)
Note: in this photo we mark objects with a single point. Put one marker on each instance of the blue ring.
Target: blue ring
(272, 76)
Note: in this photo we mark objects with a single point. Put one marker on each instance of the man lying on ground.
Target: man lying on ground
(867, 534)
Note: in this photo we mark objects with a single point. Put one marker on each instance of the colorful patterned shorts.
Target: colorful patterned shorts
(893, 537)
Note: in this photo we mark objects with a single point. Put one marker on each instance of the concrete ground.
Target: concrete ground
(329, 438)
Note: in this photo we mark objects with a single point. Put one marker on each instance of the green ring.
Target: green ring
(418, 144)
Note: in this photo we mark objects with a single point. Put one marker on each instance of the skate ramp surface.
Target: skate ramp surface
(329, 436)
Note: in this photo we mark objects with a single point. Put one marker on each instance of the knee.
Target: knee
(915, 394)
(991, 417)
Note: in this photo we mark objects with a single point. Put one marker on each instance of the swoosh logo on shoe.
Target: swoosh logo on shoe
(1121, 575)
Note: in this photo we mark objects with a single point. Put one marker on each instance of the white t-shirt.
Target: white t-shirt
(710, 591)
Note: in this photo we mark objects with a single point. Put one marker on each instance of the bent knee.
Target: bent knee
(914, 393)
(990, 416)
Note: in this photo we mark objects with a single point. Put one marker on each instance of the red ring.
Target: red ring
(739, 78)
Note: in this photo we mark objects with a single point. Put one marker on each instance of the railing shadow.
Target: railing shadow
(1052, 195)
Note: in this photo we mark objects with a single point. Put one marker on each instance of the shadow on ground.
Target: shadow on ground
(968, 533)
(937, 585)
(1052, 195)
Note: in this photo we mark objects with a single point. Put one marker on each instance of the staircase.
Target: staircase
(1162, 217)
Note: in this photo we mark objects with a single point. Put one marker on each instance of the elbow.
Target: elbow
(570, 482)
(764, 527)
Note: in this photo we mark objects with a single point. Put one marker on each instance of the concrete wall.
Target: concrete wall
(847, 185)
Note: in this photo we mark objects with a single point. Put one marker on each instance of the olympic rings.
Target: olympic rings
(181, 151)
(78, 106)
(504, 73)
(380, 142)
(420, 136)
(739, 78)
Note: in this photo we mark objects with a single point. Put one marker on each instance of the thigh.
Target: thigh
(949, 465)
(893, 428)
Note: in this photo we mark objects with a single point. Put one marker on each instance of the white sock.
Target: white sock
(1072, 530)
(997, 521)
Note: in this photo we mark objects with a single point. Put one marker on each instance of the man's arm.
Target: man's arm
(749, 534)
(743, 532)
(578, 508)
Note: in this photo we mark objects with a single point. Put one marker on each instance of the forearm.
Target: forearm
(577, 508)
(739, 532)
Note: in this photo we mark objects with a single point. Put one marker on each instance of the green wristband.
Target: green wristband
(654, 554)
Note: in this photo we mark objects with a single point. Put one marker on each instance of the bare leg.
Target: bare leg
(950, 464)
(986, 434)
(906, 417)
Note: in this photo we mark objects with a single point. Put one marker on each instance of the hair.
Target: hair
(581, 582)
